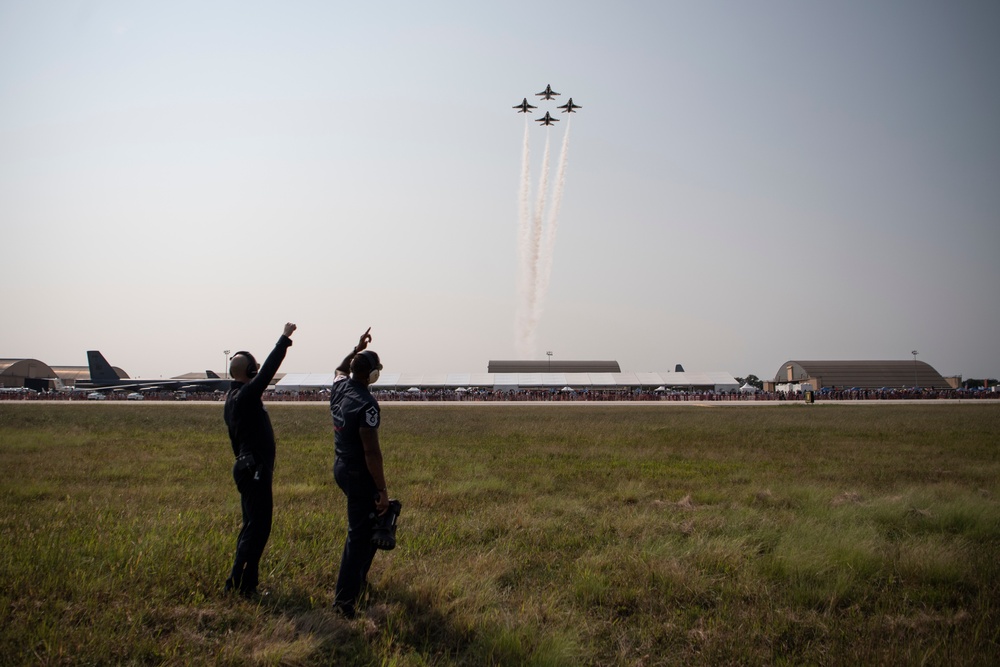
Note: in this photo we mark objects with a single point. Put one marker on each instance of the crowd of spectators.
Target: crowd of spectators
(521, 395)
(76, 396)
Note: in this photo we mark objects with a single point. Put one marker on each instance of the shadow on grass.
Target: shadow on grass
(392, 623)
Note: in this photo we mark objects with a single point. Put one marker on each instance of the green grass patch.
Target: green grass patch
(597, 535)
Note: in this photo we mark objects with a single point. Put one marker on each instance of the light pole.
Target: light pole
(550, 360)
(914, 353)
(225, 365)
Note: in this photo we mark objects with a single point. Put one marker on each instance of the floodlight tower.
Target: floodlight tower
(914, 353)
(225, 365)
(549, 353)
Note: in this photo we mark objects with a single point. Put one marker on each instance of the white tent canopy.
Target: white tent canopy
(715, 381)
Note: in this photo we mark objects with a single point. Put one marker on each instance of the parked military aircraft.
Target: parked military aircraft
(546, 119)
(104, 378)
(570, 107)
(547, 93)
(524, 106)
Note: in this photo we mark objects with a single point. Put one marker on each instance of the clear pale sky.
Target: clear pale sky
(746, 183)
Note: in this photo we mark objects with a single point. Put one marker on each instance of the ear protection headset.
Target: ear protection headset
(252, 366)
(370, 359)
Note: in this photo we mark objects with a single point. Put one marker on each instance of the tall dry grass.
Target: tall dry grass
(530, 535)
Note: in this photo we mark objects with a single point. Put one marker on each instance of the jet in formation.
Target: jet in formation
(547, 93)
(570, 107)
(104, 378)
(524, 106)
(546, 119)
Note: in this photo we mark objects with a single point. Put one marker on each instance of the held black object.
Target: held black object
(384, 532)
(245, 469)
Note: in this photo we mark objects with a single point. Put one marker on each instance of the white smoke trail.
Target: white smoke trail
(547, 250)
(524, 281)
(534, 247)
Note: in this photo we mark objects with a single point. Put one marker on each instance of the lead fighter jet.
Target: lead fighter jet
(570, 107)
(546, 119)
(547, 93)
(524, 106)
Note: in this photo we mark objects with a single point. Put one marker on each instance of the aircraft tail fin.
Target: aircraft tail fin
(100, 369)
(212, 374)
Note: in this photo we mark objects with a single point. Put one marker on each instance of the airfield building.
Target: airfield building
(37, 375)
(550, 366)
(892, 374)
(532, 375)
(27, 373)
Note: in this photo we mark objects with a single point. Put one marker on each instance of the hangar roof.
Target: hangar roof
(863, 374)
(28, 368)
(549, 366)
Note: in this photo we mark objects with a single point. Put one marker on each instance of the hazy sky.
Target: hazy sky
(747, 182)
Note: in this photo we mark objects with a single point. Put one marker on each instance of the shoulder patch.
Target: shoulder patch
(371, 417)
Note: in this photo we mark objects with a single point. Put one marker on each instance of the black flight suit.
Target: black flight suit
(250, 433)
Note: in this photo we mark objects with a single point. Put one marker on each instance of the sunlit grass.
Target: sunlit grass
(529, 536)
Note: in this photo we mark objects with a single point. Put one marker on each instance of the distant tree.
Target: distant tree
(973, 383)
(752, 380)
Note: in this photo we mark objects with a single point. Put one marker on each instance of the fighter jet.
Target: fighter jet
(547, 119)
(570, 107)
(547, 93)
(524, 106)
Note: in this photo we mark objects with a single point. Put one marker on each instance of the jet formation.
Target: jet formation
(538, 223)
(547, 94)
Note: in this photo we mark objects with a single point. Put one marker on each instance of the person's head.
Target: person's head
(242, 366)
(365, 367)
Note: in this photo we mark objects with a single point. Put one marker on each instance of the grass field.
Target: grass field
(530, 535)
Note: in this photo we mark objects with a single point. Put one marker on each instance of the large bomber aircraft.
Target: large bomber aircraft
(547, 93)
(104, 378)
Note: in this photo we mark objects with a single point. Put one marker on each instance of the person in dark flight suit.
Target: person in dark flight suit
(252, 438)
(357, 468)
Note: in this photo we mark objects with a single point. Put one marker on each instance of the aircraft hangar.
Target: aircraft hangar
(38, 375)
(891, 374)
(30, 373)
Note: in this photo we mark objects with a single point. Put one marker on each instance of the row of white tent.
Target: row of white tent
(716, 381)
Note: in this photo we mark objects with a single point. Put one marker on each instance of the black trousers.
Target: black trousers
(257, 503)
(359, 487)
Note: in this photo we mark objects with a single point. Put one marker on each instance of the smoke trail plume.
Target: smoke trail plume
(536, 240)
(534, 247)
(524, 278)
(547, 250)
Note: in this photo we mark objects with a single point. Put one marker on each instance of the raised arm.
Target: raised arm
(270, 366)
(345, 366)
